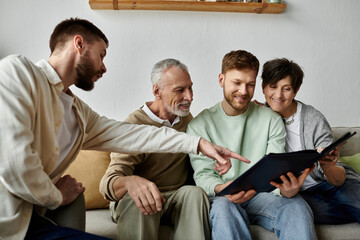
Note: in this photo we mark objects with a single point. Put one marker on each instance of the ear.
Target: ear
(221, 79)
(295, 94)
(78, 44)
(156, 91)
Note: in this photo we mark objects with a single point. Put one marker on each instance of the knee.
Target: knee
(223, 211)
(194, 193)
(222, 205)
(297, 206)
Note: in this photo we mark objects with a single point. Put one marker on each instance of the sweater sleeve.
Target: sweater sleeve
(204, 174)
(120, 165)
(108, 135)
(317, 131)
(277, 134)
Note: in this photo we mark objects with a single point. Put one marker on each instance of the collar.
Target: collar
(239, 116)
(155, 118)
(51, 75)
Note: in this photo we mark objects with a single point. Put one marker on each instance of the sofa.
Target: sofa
(90, 166)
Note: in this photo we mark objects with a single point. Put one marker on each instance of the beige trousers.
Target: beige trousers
(187, 209)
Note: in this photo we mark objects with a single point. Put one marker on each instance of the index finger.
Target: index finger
(238, 157)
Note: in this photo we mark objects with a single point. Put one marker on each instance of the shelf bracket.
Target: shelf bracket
(260, 10)
(115, 5)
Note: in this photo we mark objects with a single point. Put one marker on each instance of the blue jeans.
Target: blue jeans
(334, 205)
(288, 218)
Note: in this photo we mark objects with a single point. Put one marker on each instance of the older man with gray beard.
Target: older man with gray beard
(147, 189)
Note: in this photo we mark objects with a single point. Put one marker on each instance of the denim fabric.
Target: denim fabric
(41, 228)
(288, 218)
(334, 205)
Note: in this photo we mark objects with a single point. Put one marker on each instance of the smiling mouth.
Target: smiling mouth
(241, 98)
(277, 101)
(186, 106)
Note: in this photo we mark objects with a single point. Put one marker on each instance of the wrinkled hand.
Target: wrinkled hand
(334, 174)
(69, 188)
(329, 160)
(145, 194)
(291, 185)
(239, 197)
(220, 154)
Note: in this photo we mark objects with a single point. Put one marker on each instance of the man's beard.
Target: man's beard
(177, 111)
(241, 109)
(85, 74)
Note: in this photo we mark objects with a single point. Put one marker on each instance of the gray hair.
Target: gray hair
(160, 67)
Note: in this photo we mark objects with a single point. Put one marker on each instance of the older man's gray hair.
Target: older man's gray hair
(162, 66)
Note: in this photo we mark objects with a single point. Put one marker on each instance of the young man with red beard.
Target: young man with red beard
(252, 131)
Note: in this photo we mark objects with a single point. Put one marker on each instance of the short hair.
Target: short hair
(75, 26)
(239, 60)
(278, 69)
(161, 66)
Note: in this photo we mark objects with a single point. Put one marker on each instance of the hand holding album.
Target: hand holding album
(273, 165)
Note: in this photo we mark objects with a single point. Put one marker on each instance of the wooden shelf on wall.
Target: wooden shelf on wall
(188, 6)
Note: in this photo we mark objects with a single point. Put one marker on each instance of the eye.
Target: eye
(179, 90)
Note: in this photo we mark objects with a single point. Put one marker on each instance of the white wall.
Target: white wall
(321, 35)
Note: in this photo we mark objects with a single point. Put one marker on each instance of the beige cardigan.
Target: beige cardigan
(31, 114)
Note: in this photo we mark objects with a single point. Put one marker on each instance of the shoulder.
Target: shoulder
(200, 124)
(16, 62)
(186, 119)
(263, 112)
(19, 71)
(15, 58)
(205, 115)
(309, 112)
(139, 117)
(317, 131)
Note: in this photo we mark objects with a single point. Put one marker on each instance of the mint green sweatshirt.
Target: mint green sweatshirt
(256, 132)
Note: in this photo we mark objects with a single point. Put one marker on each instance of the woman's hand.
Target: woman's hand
(291, 185)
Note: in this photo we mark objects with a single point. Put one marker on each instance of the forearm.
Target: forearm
(335, 175)
(113, 136)
(218, 188)
(119, 186)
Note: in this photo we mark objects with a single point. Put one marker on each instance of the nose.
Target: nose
(278, 93)
(188, 95)
(243, 89)
(103, 68)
